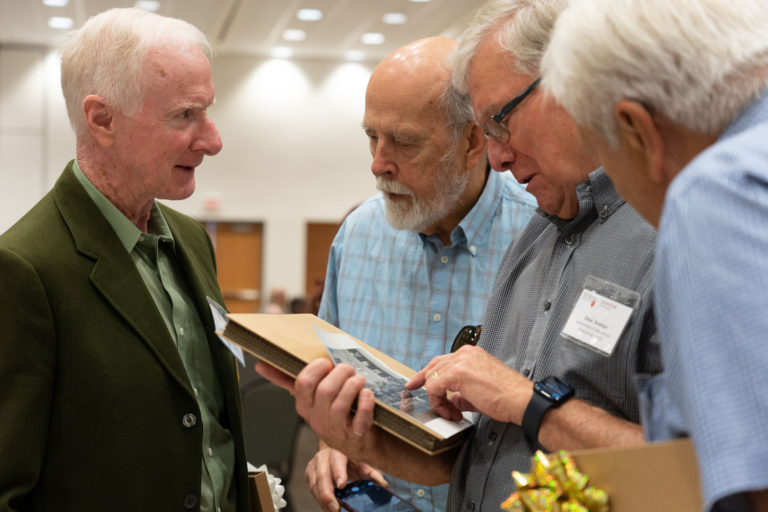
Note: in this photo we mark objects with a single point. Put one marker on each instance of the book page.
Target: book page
(388, 386)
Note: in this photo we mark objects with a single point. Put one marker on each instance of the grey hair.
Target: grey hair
(106, 57)
(523, 28)
(457, 109)
(695, 62)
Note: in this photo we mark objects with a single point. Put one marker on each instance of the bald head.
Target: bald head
(418, 72)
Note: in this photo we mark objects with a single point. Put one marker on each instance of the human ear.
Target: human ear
(639, 134)
(99, 119)
(476, 147)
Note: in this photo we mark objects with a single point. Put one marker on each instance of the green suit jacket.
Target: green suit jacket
(93, 391)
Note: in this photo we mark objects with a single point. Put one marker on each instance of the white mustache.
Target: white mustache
(392, 187)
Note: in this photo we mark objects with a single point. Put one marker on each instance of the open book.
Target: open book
(290, 342)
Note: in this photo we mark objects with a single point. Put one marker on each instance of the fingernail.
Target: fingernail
(339, 483)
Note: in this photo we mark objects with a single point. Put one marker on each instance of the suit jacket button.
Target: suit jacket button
(190, 501)
(189, 422)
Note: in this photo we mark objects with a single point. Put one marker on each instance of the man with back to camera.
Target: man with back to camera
(116, 393)
(584, 241)
(411, 267)
(673, 96)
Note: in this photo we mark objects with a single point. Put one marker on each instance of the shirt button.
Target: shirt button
(420, 493)
(444, 259)
(570, 240)
(603, 213)
(437, 317)
(526, 372)
(472, 248)
(181, 331)
(210, 452)
(189, 420)
(492, 436)
(141, 239)
(547, 305)
(190, 501)
(195, 390)
(471, 506)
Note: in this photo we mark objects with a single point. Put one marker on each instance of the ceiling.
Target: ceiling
(255, 27)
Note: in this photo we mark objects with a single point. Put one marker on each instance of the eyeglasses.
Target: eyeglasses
(493, 126)
(468, 335)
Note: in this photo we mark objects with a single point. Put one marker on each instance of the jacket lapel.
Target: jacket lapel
(114, 274)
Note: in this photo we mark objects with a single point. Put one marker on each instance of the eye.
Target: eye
(185, 115)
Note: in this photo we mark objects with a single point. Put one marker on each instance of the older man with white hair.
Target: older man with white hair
(411, 267)
(673, 96)
(116, 393)
(570, 319)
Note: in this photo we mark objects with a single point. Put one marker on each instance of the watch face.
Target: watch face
(554, 388)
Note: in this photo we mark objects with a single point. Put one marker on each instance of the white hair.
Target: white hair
(106, 57)
(522, 28)
(457, 109)
(696, 62)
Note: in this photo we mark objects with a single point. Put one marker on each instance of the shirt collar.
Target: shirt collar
(752, 114)
(596, 195)
(125, 230)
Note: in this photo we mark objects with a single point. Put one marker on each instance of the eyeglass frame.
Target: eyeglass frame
(468, 335)
(502, 133)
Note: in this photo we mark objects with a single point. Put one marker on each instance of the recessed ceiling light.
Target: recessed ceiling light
(372, 38)
(63, 23)
(148, 5)
(56, 3)
(309, 14)
(294, 35)
(281, 52)
(395, 18)
(354, 55)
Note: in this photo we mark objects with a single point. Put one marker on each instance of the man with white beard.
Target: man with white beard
(412, 266)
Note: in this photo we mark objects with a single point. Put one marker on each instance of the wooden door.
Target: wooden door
(239, 262)
(319, 240)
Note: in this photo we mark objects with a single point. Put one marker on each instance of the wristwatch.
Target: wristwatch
(547, 393)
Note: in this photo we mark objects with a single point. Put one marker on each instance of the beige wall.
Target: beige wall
(293, 147)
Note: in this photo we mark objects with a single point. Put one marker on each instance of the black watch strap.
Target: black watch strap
(534, 413)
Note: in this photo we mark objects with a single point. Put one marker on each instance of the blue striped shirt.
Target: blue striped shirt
(408, 295)
(711, 301)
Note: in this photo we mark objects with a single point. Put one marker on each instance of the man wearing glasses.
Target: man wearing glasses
(411, 266)
(570, 319)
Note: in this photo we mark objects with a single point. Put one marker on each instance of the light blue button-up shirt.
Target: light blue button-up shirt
(712, 309)
(408, 295)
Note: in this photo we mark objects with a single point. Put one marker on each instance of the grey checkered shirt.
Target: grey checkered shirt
(540, 278)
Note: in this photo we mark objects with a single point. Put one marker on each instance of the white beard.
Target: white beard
(414, 214)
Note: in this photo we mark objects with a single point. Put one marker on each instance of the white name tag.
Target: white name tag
(598, 321)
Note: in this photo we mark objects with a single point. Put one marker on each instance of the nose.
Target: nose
(501, 156)
(209, 140)
(383, 162)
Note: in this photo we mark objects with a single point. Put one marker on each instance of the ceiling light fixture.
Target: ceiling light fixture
(293, 34)
(56, 3)
(148, 5)
(395, 18)
(281, 52)
(62, 23)
(372, 38)
(309, 14)
(354, 55)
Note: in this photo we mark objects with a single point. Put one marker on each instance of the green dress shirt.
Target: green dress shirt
(155, 258)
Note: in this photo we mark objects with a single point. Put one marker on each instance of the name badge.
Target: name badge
(600, 315)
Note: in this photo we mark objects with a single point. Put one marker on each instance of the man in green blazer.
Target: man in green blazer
(115, 393)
